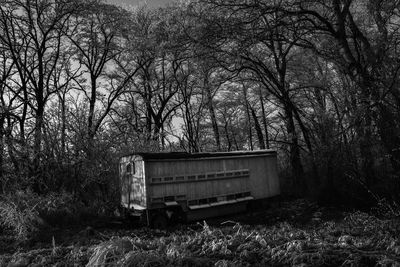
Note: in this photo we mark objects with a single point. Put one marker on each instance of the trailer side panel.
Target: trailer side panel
(206, 180)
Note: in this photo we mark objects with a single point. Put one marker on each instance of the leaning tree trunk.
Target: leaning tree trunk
(257, 126)
(307, 140)
(294, 152)
(264, 117)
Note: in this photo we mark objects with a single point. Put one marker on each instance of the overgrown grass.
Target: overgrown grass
(359, 240)
(350, 239)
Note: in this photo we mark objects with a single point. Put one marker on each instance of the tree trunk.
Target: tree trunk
(364, 131)
(63, 127)
(307, 140)
(37, 148)
(248, 118)
(211, 110)
(158, 133)
(257, 126)
(193, 146)
(390, 135)
(189, 127)
(148, 122)
(264, 117)
(148, 99)
(2, 133)
(228, 140)
(10, 148)
(24, 145)
(294, 152)
(367, 160)
(90, 128)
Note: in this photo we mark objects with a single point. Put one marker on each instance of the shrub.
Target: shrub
(26, 213)
(19, 212)
(61, 209)
(387, 209)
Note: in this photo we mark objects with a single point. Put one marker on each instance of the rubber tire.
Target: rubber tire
(159, 221)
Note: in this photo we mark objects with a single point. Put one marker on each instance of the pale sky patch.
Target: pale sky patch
(150, 3)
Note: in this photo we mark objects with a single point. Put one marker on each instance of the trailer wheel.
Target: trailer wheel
(178, 216)
(159, 221)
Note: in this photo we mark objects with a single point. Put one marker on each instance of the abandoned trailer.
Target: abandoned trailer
(162, 187)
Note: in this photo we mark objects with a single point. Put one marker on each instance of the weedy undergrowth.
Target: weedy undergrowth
(19, 212)
(26, 213)
(360, 239)
(387, 209)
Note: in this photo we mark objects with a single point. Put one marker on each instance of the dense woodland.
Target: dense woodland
(83, 82)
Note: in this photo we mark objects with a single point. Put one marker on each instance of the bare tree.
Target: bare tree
(33, 34)
(99, 35)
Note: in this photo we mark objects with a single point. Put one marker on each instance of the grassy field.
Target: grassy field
(294, 233)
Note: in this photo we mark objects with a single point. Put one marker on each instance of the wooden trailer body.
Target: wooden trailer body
(201, 184)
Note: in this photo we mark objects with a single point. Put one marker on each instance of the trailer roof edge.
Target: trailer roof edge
(185, 155)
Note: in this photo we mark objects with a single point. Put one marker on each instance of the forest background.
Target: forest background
(84, 82)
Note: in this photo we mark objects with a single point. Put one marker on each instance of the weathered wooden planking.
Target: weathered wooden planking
(198, 176)
(262, 182)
